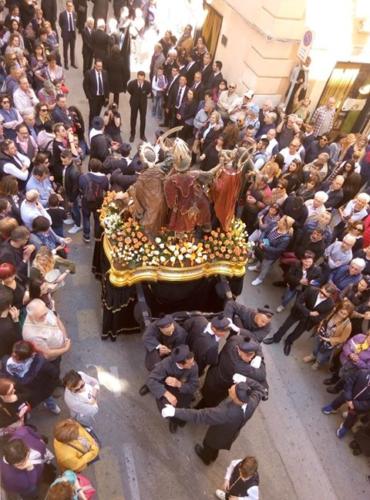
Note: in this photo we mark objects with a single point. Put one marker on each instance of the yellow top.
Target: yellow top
(71, 458)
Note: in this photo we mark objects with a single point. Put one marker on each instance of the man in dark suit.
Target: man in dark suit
(216, 76)
(204, 339)
(67, 23)
(60, 113)
(170, 95)
(206, 69)
(176, 100)
(96, 88)
(311, 306)
(198, 87)
(49, 10)
(81, 10)
(139, 91)
(190, 69)
(87, 46)
(225, 421)
(100, 41)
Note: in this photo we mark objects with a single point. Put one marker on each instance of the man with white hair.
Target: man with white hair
(356, 209)
(291, 153)
(347, 275)
(24, 96)
(339, 253)
(48, 334)
(318, 167)
(228, 102)
(273, 146)
(32, 208)
(316, 205)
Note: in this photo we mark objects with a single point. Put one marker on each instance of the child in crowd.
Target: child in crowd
(57, 214)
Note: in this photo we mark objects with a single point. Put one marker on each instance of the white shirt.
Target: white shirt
(228, 102)
(208, 329)
(82, 404)
(349, 213)
(319, 300)
(29, 212)
(288, 158)
(23, 101)
(45, 335)
(11, 169)
(253, 491)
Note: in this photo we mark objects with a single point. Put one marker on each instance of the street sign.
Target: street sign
(305, 46)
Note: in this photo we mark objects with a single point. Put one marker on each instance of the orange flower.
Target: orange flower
(237, 251)
(223, 249)
(127, 240)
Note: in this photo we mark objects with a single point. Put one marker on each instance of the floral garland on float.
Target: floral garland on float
(131, 248)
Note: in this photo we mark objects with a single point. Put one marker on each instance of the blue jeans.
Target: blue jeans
(76, 213)
(321, 354)
(86, 214)
(157, 108)
(288, 296)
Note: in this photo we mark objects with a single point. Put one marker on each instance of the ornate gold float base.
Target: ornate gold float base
(127, 277)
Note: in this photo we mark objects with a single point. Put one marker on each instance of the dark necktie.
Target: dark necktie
(70, 22)
(100, 84)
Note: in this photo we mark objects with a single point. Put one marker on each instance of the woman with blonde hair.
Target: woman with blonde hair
(331, 333)
(75, 448)
(275, 239)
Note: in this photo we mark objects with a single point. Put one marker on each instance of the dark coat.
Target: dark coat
(357, 390)
(220, 377)
(100, 9)
(190, 72)
(202, 344)
(305, 304)
(87, 42)
(63, 23)
(295, 274)
(152, 337)
(207, 73)
(235, 310)
(277, 245)
(49, 9)
(168, 368)
(71, 182)
(139, 96)
(38, 383)
(99, 147)
(198, 91)
(10, 333)
(90, 85)
(101, 44)
(14, 256)
(335, 198)
(214, 81)
(116, 69)
(225, 421)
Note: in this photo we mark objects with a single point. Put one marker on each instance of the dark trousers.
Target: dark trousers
(81, 19)
(208, 454)
(87, 60)
(96, 103)
(135, 108)
(296, 333)
(76, 213)
(352, 416)
(69, 41)
(86, 214)
(183, 401)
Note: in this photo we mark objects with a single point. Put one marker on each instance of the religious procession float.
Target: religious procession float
(172, 242)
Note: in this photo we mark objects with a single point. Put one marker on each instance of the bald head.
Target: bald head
(37, 310)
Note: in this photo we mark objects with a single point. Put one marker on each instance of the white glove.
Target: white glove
(256, 362)
(237, 378)
(168, 411)
(233, 326)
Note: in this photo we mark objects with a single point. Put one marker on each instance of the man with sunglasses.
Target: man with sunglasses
(228, 101)
(81, 393)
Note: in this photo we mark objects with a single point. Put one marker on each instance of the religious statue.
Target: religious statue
(150, 208)
(298, 84)
(188, 203)
(227, 184)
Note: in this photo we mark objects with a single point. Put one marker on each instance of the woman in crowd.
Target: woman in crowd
(274, 241)
(293, 176)
(358, 294)
(9, 280)
(13, 407)
(272, 169)
(75, 448)
(331, 333)
(186, 115)
(11, 116)
(9, 190)
(352, 181)
(211, 154)
(216, 91)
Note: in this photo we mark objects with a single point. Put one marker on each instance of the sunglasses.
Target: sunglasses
(44, 109)
(231, 87)
(6, 101)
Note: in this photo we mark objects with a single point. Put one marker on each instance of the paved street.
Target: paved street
(298, 452)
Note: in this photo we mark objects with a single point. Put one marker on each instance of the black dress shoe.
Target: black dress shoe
(329, 381)
(270, 340)
(132, 138)
(143, 138)
(287, 348)
(173, 427)
(279, 283)
(199, 451)
(144, 389)
(66, 66)
(74, 66)
(333, 390)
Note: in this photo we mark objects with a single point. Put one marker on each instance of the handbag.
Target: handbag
(86, 486)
